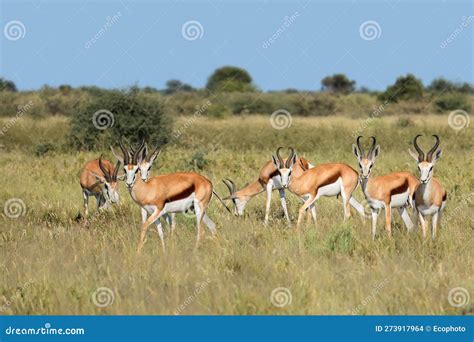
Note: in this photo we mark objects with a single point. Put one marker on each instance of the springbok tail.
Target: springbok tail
(357, 206)
(220, 199)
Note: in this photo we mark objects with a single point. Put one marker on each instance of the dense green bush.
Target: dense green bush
(112, 114)
(338, 83)
(452, 101)
(405, 88)
(229, 79)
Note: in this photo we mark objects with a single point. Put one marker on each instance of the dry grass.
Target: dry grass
(51, 264)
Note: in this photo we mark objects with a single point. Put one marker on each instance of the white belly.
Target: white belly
(332, 189)
(181, 205)
(400, 200)
(427, 210)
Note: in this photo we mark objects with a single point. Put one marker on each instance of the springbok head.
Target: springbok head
(239, 203)
(146, 162)
(110, 181)
(131, 162)
(286, 168)
(425, 165)
(366, 161)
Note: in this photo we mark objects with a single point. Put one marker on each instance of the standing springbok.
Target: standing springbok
(328, 180)
(172, 193)
(99, 179)
(269, 179)
(430, 197)
(393, 190)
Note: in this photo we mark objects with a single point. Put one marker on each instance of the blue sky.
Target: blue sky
(145, 45)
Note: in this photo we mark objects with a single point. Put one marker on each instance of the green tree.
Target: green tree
(6, 85)
(405, 88)
(174, 86)
(338, 83)
(230, 79)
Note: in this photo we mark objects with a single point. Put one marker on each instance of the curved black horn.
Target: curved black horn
(372, 148)
(137, 152)
(360, 147)
(421, 154)
(114, 174)
(280, 160)
(104, 170)
(126, 154)
(429, 155)
(288, 161)
(230, 185)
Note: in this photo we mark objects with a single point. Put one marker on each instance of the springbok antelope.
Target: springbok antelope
(269, 179)
(328, 180)
(172, 193)
(99, 179)
(393, 190)
(430, 197)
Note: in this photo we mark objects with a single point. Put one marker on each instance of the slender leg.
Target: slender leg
(209, 224)
(283, 204)
(85, 196)
(159, 228)
(303, 208)
(388, 219)
(415, 220)
(357, 206)
(423, 224)
(434, 224)
(406, 218)
(199, 215)
(152, 218)
(144, 214)
(375, 215)
(313, 214)
(345, 204)
(173, 222)
(269, 201)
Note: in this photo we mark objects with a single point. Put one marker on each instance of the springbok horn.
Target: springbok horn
(280, 160)
(288, 161)
(104, 170)
(126, 154)
(421, 154)
(360, 147)
(114, 175)
(429, 155)
(371, 150)
(137, 152)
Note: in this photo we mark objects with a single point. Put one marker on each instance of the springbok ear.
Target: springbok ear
(413, 154)
(155, 155)
(99, 178)
(275, 162)
(121, 177)
(356, 151)
(437, 155)
(376, 152)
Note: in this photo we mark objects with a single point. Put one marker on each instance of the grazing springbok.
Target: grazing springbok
(393, 190)
(99, 179)
(172, 193)
(430, 197)
(269, 179)
(329, 180)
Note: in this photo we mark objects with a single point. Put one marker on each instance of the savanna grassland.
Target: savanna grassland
(52, 263)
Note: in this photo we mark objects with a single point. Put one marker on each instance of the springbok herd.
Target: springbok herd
(181, 192)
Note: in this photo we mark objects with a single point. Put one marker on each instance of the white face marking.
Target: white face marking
(426, 171)
(285, 175)
(145, 168)
(365, 167)
(110, 192)
(239, 206)
(131, 174)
